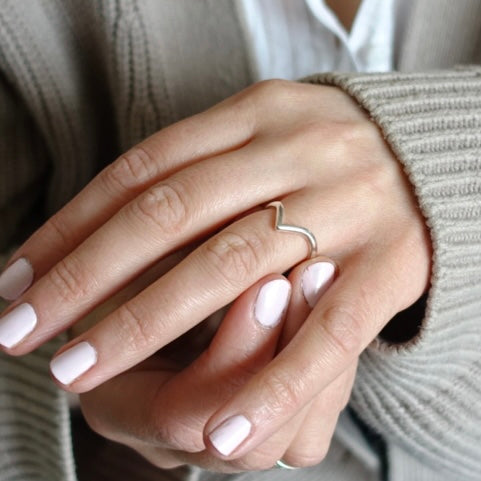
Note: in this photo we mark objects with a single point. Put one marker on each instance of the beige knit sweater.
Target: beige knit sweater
(82, 80)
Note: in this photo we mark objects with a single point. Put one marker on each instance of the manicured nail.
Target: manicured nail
(271, 302)
(17, 324)
(16, 279)
(316, 278)
(71, 364)
(230, 434)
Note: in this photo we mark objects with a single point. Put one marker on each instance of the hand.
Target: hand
(310, 146)
(140, 407)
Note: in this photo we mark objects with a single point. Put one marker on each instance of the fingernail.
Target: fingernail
(16, 279)
(17, 324)
(271, 302)
(72, 363)
(230, 434)
(316, 278)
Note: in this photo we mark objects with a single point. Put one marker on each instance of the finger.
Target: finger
(313, 439)
(301, 442)
(307, 435)
(351, 313)
(129, 291)
(309, 280)
(262, 458)
(210, 277)
(250, 329)
(245, 343)
(173, 414)
(157, 157)
(159, 221)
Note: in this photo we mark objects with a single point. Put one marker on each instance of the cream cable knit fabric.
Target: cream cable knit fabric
(81, 81)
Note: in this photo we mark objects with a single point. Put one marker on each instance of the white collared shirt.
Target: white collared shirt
(294, 38)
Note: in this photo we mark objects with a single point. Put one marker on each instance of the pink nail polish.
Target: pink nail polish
(230, 434)
(17, 324)
(16, 279)
(316, 279)
(271, 302)
(73, 362)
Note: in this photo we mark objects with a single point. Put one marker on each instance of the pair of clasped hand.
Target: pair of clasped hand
(175, 230)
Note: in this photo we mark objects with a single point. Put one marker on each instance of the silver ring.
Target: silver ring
(293, 228)
(282, 465)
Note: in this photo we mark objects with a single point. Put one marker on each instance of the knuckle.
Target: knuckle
(135, 328)
(343, 327)
(170, 430)
(297, 142)
(70, 280)
(307, 457)
(130, 170)
(58, 231)
(234, 256)
(176, 435)
(243, 109)
(283, 393)
(163, 207)
(272, 88)
(255, 462)
(265, 95)
(353, 132)
(94, 419)
(345, 138)
(376, 184)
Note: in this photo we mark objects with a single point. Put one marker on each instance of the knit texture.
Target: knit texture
(34, 421)
(426, 395)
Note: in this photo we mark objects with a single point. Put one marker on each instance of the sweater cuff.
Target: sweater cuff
(424, 395)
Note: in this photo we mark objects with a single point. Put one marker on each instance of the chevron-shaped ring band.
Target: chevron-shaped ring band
(279, 225)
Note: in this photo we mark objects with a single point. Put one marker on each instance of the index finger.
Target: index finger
(157, 157)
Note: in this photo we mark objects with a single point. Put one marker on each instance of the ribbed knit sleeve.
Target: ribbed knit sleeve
(424, 396)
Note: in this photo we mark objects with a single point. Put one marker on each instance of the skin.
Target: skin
(345, 11)
(165, 193)
(134, 407)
